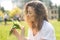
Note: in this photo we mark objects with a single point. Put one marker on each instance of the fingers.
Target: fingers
(14, 31)
(21, 27)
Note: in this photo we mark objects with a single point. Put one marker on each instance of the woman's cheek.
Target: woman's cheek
(32, 18)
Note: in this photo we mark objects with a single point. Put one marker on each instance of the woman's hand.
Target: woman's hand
(15, 32)
(22, 30)
(19, 36)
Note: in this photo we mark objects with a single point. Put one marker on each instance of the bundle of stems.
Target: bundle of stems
(16, 25)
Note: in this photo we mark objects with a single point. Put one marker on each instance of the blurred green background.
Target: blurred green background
(5, 29)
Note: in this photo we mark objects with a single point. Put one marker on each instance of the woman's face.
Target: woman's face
(31, 13)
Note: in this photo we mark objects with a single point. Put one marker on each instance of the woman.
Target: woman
(39, 27)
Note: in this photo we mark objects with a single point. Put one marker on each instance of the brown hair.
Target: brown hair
(40, 11)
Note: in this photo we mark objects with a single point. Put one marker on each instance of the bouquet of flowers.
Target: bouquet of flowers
(16, 25)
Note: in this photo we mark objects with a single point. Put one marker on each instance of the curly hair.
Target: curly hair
(40, 11)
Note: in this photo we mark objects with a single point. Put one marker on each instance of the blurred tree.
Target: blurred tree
(7, 11)
(50, 4)
(2, 9)
(59, 13)
(56, 5)
(24, 2)
(41, 0)
(14, 12)
(1, 14)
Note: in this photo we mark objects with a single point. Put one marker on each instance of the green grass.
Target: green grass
(56, 25)
(4, 32)
(5, 29)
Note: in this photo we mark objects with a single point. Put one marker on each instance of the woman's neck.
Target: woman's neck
(34, 31)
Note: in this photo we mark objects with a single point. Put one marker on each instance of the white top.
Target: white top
(6, 16)
(46, 33)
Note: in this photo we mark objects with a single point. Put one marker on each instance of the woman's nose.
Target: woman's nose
(28, 14)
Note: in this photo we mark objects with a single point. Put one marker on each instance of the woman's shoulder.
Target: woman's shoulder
(47, 25)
